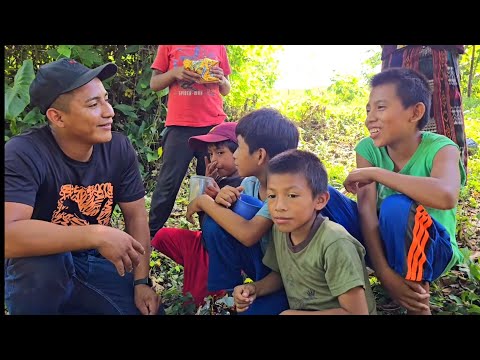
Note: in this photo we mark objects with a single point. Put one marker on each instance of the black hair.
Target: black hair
(304, 163)
(412, 87)
(231, 145)
(269, 129)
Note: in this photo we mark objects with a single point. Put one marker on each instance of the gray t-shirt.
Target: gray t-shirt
(327, 264)
(251, 186)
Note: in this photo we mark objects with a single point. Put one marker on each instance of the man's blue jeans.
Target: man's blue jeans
(82, 283)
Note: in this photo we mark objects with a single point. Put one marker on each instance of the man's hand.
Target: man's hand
(406, 293)
(228, 195)
(117, 246)
(147, 300)
(243, 296)
(358, 178)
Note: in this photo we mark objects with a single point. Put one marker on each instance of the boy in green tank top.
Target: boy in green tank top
(320, 265)
(407, 184)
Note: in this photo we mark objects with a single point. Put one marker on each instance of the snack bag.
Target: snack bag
(202, 67)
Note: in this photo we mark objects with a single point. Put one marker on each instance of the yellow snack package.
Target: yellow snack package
(202, 67)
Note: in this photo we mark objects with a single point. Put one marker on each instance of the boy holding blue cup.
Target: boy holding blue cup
(235, 244)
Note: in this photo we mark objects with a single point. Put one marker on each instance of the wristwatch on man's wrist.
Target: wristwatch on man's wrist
(143, 281)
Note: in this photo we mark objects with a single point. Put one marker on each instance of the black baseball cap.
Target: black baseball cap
(61, 76)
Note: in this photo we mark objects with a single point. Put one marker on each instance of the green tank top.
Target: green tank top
(420, 164)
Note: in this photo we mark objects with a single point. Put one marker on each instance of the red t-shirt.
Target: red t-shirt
(192, 104)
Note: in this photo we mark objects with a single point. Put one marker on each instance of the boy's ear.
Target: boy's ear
(321, 200)
(418, 111)
(263, 157)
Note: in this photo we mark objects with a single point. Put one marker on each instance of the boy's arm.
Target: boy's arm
(244, 295)
(367, 210)
(352, 302)
(269, 284)
(224, 86)
(248, 232)
(439, 191)
(160, 80)
(396, 286)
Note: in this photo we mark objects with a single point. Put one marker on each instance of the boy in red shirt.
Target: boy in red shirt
(194, 108)
(183, 246)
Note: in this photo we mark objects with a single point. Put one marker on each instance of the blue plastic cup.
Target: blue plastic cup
(247, 206)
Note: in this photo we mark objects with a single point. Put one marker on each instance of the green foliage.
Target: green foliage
(346, 88)
(168, 276)
(17, 98)
(254, 72)
(458, 291)
(465, 65)
(178, 304)
(471, 267)
(88, 55)
(372, 65)
(471, 108)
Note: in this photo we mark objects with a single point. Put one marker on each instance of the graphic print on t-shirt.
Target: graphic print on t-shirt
(80, 205)
(191, 88)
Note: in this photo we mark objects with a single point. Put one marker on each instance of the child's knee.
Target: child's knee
(395, 205)
(164, 235)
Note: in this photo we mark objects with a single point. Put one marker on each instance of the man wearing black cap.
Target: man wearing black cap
(62, 182)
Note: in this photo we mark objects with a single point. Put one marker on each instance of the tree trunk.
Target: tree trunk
(470, 77)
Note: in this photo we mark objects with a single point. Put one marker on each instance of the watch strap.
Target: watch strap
(143, 281)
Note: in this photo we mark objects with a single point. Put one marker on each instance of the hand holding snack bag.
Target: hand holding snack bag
(203, 68)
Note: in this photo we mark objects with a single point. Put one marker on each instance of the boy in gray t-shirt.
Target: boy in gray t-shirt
(318, 263)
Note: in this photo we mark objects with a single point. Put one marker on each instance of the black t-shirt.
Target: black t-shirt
(65, 191)
(234, 181)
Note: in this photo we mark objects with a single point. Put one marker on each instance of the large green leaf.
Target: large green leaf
(33, 118)
(144, 82)
(475, 270)
(86, 54)
(17, 97)
(474, 309)
(65, 50)
(127, 110)
(132, 49)
(53, 53)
